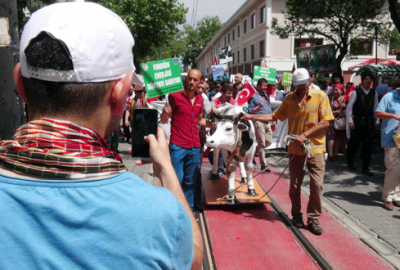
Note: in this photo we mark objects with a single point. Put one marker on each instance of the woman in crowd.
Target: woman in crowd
(339, 123)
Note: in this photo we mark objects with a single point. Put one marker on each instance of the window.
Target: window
(233, 35)
(361, 46)
(252, 52)
(233, 58)
(238, 31)
(253, 21)
(244, 54)
(229, 38)
(244, 27)
(262, 14)
(238, 58)
(262, 48)
(306, 42)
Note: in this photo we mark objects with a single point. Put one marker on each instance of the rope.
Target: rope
(288, 140)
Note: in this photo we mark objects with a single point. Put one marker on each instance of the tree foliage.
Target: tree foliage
(28, 6)
(394, 8)
(337, 21)
(190, 41)
(151, 22)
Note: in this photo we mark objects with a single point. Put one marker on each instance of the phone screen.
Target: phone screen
(145, 122)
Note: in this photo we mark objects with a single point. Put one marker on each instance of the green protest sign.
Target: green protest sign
(162, 77)
(264, 72)
(287, 79)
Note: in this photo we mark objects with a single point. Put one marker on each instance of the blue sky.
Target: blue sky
(224, 9)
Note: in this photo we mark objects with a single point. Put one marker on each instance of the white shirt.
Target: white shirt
(352, 99)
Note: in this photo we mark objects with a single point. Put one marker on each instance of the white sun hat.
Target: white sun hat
(300, 77)
(99, 42)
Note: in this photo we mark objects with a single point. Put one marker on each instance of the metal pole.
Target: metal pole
(11, 105)
(376, 44)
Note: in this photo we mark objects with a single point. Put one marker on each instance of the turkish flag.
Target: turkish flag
(245, 94)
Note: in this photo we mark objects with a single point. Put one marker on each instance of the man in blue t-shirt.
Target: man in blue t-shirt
(389, 111)
(67, 201)
(259, 104)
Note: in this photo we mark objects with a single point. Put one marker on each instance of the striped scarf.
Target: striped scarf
(58, 149)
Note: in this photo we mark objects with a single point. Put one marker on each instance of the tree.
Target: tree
(394, 8)
(151, 22)
(197, 38)
(28, 6)
(337, 20)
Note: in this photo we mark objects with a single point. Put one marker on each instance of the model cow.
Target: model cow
(238, 138)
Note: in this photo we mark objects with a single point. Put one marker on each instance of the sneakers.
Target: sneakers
(298, 220)
(314, 227)
(265, 168)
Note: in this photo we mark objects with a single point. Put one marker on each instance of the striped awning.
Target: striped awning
(381, 70)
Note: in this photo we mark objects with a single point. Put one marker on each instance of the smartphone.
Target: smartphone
(144, 122)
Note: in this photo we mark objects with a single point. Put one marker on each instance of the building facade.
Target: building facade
(246, 32)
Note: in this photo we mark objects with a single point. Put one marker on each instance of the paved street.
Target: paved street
(352, 198)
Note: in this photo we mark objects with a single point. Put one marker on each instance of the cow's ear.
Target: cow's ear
(242, 126)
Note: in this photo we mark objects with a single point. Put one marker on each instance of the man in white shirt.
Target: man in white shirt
(360, 118)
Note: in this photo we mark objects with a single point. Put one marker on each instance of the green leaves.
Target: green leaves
(337, 21)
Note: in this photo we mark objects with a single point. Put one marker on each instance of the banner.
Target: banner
(317, 58)
(265, 72)
(162, 77)
(225, 55)
(220, 72)
(287, 79)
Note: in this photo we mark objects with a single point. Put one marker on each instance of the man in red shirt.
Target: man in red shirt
(186, 111)
(226, 97)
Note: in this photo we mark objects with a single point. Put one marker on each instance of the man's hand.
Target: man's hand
(352, 126)
(167, 110)
(159, 152)
(261, 103)
(214, 110)
(397, 117)
(300, 139)
(245, 116)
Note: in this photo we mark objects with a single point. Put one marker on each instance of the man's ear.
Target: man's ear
(120, 92)
(18, 82)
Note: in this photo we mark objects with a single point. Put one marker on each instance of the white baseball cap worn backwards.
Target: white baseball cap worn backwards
(99, 42)
(300, 77)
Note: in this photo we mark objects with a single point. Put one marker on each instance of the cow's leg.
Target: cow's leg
(249, 170)
(214, 172)
(232, 194)
(242, 173)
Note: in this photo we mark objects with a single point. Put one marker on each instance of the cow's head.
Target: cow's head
(227, 129)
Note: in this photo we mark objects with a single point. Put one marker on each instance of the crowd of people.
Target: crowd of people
(65, 189)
